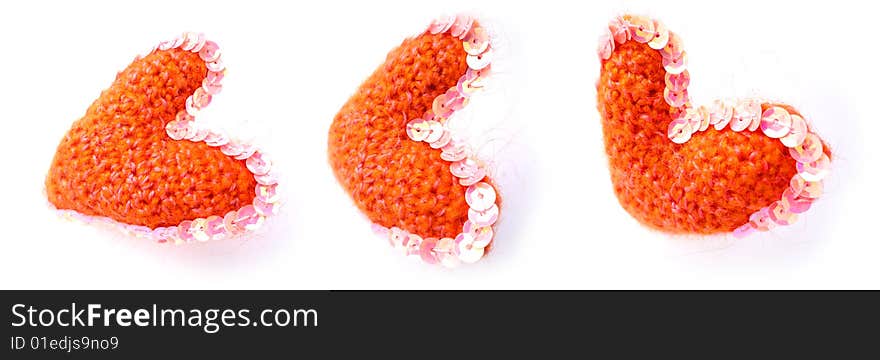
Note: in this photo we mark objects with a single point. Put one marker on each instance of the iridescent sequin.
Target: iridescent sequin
(201, 133)
(480, 61)
(805, 189)
(183, 116)
(454, 151)
(258, 163)
(215, 228)
(678, 82)
(216, 65)
(620, 30)
(694, 118)
(444, 245)
(761, 220)
(178, 130)
(199, 230)
(478, 77)
(442, 141)
(190, 39)
(210, 52)
(211, 88)
(775, 122)
(781, 214)
(467, 252)
(216, 138)
(190, 106)
(165, 45)
(141, 232)
(199, 43)
(442, 105)
(461, 26)
(703, 114)
(464, 168)
(483, 236)
(675, 65)
(417, 129)
(412, 245)
(797, 134)
(441, 25)
(212, 82)
(477, 176)
(679, 131)
(642, 29)
(267, 193)
(816, 170)
(476, 42)
(739, 124)
(675, 98)
(480, 196)
(178, 41)
(673, 48)
(755, 124)
(483, 218)
(164, 235)
(606, 45)
(266, 208)
(745, 113)
(248, 218)
(266, 179)
(397, 237)
(426, 250)
(246, 151)
(720, 114)
(465, 86)
(794, 203)
(661, 36)
(232, 148)
(445, 251)
(812, 189)
(435, 131)
(808, 151)
(183, 231)
(229, 223)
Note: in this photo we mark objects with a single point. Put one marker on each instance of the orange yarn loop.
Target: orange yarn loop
(117, 161)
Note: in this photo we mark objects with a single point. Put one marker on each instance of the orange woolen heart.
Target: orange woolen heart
(395, 181)
(710, 184)
(117, 161)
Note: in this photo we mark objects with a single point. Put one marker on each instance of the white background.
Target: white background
(292, 66)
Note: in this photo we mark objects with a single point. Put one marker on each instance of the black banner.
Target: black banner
(119, 324)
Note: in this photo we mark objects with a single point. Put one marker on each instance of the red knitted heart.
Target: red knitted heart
(139, 158)
(760, 171)
(390, 149)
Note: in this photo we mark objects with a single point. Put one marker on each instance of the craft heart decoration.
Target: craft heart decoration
(759, 166)
(138, 159)
(390, 148)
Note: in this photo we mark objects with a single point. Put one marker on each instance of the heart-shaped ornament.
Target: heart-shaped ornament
(730, 166)
(140, 160)
(390, 148)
